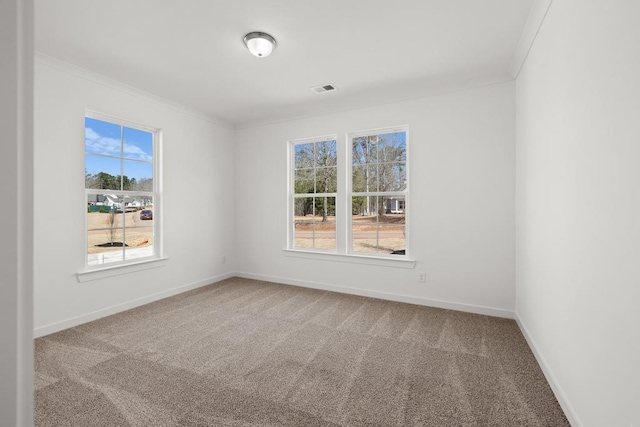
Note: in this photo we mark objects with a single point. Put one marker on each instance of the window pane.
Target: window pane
(138, 144)
(138, 223)
(325, 223)
(102, 137)
(378, 225)
(392, 147)
(326, 153)
(314, 222)
(365, 178)
(303, 222)
(303, 155)
(392, 176)
(327, 180)
(364, 150)
(104, 229)
(358, 206)
(102, 173)
(304, 181)
(138, 176)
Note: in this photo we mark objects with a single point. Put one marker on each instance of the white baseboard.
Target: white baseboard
(79, 320)
(477, 309)
(569, 412)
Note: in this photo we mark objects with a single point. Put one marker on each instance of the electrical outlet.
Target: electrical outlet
(422, 277)
(224, 259)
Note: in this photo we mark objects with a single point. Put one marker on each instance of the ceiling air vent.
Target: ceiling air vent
(324, 88)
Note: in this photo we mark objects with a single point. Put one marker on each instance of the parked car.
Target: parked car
(146, 214)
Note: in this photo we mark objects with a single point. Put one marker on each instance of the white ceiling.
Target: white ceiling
(374, 51)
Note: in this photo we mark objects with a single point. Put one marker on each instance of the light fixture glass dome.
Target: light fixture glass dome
(260, 44)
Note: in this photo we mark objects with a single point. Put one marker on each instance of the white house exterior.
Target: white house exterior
(117, 202)
(396, 205)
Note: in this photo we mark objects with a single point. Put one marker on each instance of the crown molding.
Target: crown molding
(535, 20)
(60, 65)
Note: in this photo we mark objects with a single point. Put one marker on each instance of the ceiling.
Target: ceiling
(374, 51)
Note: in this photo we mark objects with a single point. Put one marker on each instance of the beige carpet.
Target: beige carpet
(246, 353)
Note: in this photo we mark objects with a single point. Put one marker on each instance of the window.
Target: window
(369, 209)
(122, 191)
(378, 192)
(314, 190)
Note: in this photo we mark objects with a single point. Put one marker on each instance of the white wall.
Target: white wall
(198, 218)
(462, 202)
(16, 222)
(578, 207)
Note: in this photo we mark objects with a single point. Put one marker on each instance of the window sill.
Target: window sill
(351, 258)
(115, 270)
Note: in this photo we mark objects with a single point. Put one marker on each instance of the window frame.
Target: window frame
(350, 193)
(344, 192)
(292, 195)
(155, 194)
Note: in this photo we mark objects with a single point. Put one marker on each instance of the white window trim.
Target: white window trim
(124, 268)
(354, 258)
(157, 259)
(343, 251)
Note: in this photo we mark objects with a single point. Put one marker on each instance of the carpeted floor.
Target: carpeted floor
(245, 353)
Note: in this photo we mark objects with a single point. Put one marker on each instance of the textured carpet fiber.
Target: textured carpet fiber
(244, 353)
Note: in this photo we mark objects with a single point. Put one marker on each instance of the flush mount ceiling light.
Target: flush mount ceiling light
(260, 44)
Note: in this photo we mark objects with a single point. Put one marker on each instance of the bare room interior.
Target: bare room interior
(351, 213)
